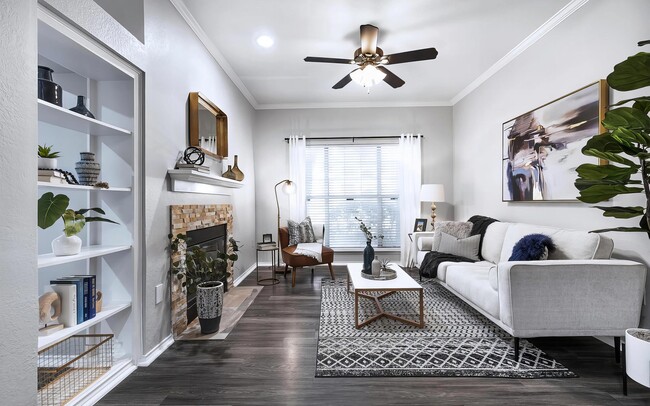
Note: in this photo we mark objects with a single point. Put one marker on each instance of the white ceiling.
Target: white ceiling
(473, 37)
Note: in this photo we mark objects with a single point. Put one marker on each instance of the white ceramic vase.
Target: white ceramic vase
(47, 163)
(63, 245)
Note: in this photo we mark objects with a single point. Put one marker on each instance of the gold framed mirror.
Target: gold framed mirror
(208, 126)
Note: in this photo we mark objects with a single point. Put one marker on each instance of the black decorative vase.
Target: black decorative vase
(368, 256)
(47, 89)
(80, 108)
(209, 304)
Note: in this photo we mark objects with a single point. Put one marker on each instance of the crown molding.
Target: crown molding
(557, 18)
(349, 105)
(213, 50)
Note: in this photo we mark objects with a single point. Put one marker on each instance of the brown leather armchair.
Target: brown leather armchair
(299, 261)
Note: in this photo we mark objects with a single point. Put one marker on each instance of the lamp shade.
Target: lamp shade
(432, 192)
(289, 187)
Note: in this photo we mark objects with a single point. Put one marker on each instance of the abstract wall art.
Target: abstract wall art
(542, 148)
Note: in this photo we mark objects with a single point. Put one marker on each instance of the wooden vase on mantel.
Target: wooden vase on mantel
(239, 175)
(229, 174)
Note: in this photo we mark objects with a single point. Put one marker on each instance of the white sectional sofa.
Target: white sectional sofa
(578, 291)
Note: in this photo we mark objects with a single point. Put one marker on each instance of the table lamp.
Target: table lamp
(432, 192)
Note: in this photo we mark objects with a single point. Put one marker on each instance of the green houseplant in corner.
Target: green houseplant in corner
(625, 144)
(204, 274)
(51, 208)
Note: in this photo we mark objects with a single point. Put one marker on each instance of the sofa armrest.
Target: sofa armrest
(589, 296)
(420, 234)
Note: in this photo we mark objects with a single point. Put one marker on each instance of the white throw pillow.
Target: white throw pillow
(458, 229)
(464, 247)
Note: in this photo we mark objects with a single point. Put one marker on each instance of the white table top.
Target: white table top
(403, 280)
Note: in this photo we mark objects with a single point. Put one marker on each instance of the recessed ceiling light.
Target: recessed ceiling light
(265, 41)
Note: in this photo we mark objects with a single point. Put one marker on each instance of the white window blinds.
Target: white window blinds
(344, 181)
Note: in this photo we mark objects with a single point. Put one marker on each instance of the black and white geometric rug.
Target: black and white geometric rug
(455, 341)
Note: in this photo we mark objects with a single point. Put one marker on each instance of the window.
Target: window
(344, 181)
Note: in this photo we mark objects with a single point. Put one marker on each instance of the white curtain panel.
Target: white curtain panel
(409, 193)
(297, 169)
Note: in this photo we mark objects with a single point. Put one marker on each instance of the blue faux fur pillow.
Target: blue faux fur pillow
(532, 247)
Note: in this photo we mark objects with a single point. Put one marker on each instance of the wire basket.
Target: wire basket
(68, 367)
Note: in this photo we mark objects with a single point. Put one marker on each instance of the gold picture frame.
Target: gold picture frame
(208, 126)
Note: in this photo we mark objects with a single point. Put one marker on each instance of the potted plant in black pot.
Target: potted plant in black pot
(205, 275)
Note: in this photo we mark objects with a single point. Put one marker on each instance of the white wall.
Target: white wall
(580, 50)
(271, 151)
(18, 274)
(175, 63)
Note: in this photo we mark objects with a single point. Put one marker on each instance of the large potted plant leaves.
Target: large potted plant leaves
(51, 208)
(625, 144)
(203, 274)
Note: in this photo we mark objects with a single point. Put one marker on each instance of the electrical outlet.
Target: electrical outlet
(159, 293)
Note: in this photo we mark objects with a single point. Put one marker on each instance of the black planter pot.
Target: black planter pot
(47, 89)
(209, 303)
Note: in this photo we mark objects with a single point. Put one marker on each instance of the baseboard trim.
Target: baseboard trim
(247, 272)
(151, 356)
(105, 384)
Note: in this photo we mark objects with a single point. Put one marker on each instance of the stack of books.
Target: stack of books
(78, 296)
(266, 245)
(51, 176)
(194, 167)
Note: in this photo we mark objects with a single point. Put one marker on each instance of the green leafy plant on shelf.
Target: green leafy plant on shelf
(626, 147)
(45, 151)
(195, 265)
(51, 208)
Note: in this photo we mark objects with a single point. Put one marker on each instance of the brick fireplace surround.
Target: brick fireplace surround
(185, 218)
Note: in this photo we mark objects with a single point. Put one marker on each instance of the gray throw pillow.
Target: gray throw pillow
(301, 232)
(459, 229)
(464, 247)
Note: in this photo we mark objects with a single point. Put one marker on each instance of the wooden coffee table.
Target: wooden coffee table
(363, 287)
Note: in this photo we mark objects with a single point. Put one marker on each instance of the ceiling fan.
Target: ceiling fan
(371, 61)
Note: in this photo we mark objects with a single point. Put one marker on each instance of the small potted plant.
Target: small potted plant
(46, 158)
(51, 208)
(205, 275)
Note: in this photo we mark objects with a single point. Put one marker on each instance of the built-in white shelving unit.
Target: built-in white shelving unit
(111, 252)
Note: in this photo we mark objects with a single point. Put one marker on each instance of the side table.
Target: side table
(275, 253)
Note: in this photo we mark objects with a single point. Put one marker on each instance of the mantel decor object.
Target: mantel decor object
(47, 89)
(87, 169)
(80, 108)
(229, 174)
(239, 175)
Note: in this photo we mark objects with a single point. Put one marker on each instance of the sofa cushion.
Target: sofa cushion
(425, 243)
(472, 282)
(493, 277)
(570, 244)
(493, 241)
(532, 247)
(459, 229)
(442, 268)
(464, 247)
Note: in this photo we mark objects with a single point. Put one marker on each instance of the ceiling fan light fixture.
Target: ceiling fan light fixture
(367, 76)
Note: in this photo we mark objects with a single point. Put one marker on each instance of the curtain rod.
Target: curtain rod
(353, 138)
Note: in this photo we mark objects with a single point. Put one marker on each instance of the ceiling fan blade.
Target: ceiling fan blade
(369, 39)
(328, 60)
(347, 79)
(391, 78)
(412, 56)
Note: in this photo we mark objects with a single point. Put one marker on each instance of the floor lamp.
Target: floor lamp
(433, 192)
(288, 187)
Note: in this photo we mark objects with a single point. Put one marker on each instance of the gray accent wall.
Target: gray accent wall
(18, 274)
(580, 50)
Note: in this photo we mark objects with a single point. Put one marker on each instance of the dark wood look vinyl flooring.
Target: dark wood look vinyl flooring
(270, 359)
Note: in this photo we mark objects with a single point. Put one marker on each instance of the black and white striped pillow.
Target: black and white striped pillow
(301, 232)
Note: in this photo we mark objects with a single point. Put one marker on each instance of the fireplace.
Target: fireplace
(200, 223)
(212, 239)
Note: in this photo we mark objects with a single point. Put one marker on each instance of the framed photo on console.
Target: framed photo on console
(420, 225)
(267, 238)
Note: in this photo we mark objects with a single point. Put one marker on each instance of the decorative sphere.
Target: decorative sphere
(193, 155)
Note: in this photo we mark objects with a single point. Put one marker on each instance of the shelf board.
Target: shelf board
(187, 180)
(81, 187)
(53, 114)
(91, 251)
(107, 311)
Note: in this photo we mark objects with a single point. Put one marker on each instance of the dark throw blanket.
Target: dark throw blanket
(429, 265)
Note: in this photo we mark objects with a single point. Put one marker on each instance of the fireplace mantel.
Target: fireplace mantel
(189, 181)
